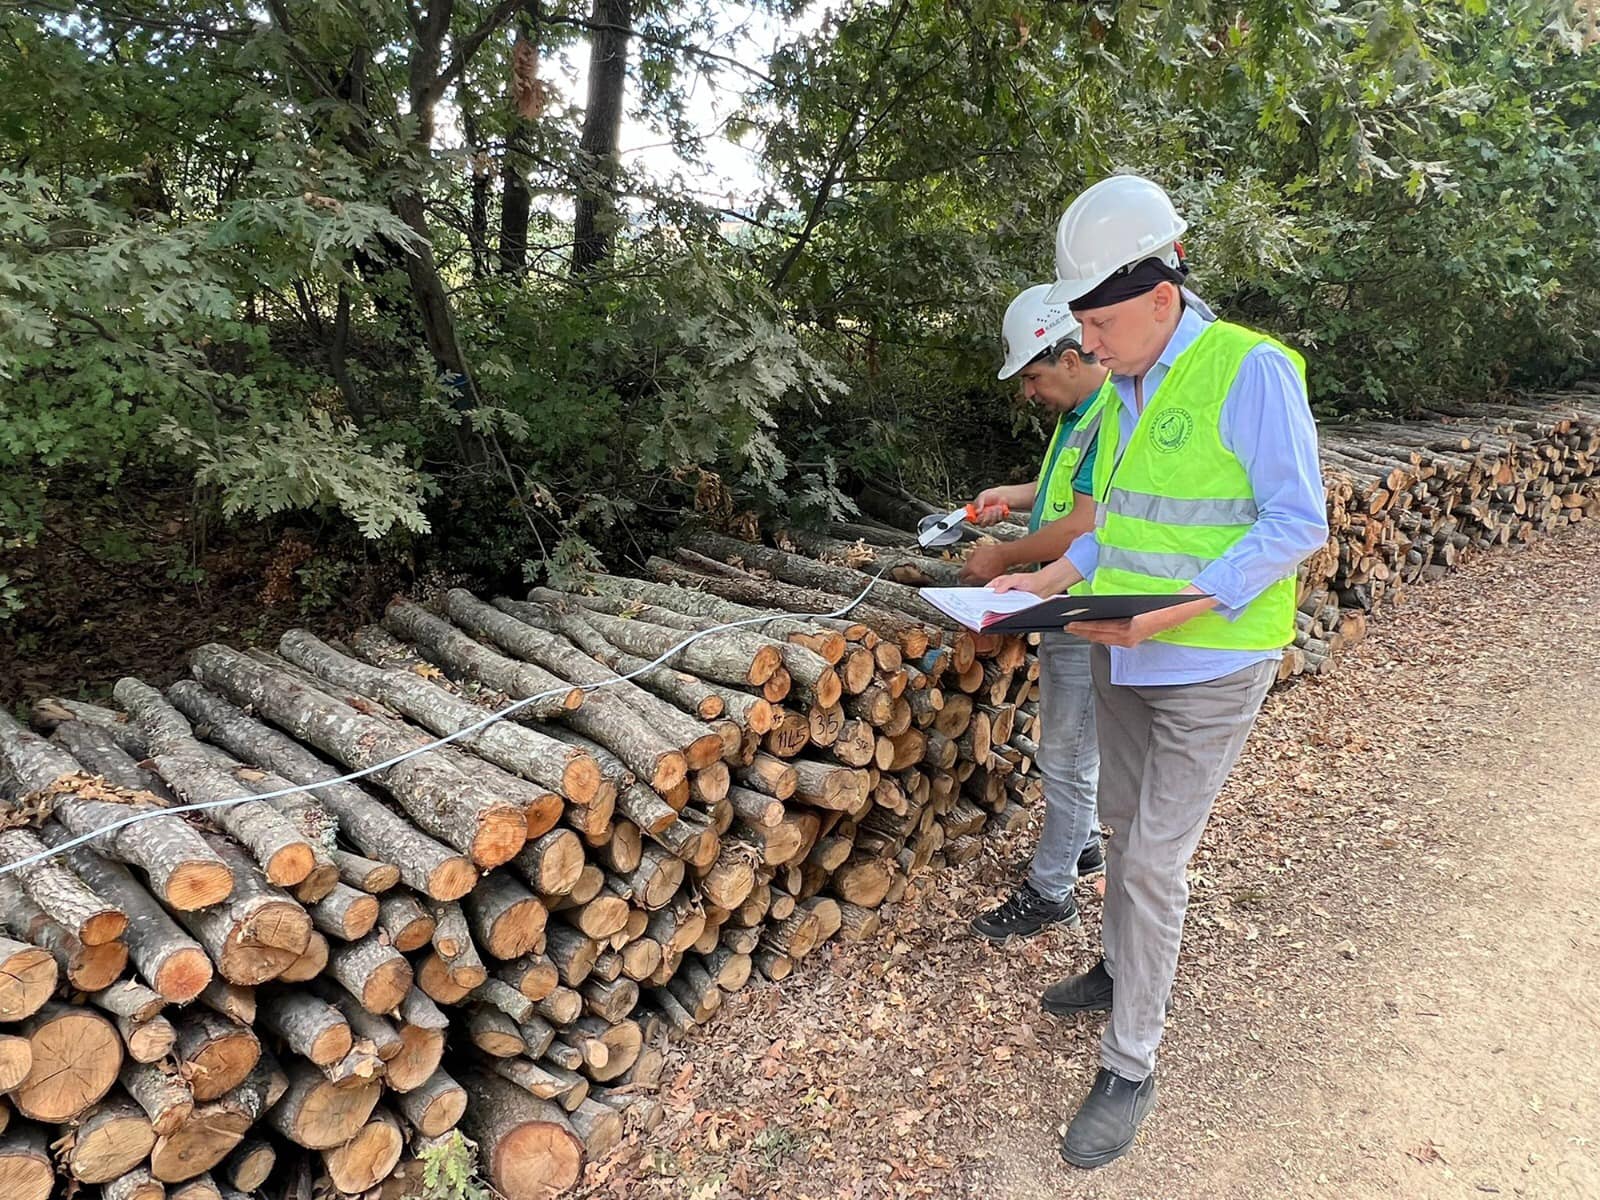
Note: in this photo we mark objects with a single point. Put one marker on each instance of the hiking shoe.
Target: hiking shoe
(1025, 913)
(1093, 859)
(1089, 992)
(1106, 1124)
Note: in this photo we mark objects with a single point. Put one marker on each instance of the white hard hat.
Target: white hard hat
(1119, 221)
(1033, 325)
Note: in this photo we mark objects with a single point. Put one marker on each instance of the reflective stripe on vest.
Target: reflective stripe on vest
(1176, 499)
(1053, 492)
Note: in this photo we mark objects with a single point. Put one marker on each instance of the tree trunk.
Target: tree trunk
(516, 201)
(594, 226)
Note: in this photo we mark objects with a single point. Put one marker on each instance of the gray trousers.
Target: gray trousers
(1069, 761)
(1166, 753)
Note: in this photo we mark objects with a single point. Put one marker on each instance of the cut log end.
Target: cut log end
(454, 877)
(28, 977)
(183, 974)
(368, 1158)
(76, 1056)
(198, 885)
(500, 833)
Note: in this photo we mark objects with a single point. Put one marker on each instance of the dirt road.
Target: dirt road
(1390, 984)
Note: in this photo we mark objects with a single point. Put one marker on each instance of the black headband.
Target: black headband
(1131, 281)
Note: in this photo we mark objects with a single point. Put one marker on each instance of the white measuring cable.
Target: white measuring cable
(464, 731)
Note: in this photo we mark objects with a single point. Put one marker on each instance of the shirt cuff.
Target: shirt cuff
(1227, 583)
(1083, 554)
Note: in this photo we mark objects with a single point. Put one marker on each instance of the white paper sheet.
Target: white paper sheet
(969, 604)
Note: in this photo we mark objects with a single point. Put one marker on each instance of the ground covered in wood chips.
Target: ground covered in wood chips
(1388, 985)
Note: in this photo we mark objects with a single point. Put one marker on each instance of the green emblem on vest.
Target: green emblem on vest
(1171, 430)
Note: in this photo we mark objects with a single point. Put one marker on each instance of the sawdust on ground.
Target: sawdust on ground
(1388, 985)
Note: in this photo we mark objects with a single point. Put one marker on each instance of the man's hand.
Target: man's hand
(992, 503)
(1057, 577)
(1130, 631)
(985, 562)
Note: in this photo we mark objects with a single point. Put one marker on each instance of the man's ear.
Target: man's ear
(1167, 298)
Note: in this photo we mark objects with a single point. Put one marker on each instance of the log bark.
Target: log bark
(181, 869)
(69, 901)
(137, 1184)
(740, 586)
(345, 914)
(87, 968)
(435, 1106)
(162, 1094)
(365, 874)
(425, 864)
(258, 932)
(170, 961)
(372, 972)
(515, 747)
(663, 727)
(435, 794)
(405, 922)
(309, 1026)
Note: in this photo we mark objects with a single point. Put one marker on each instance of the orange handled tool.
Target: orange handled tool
(934, 530)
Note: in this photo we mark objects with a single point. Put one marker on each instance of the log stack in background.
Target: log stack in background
(499, 934)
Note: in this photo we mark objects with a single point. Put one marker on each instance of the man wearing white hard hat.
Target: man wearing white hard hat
(1044, 354)
(1206, 482)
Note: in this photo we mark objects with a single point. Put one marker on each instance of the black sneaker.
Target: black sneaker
(1089, 992)
(1106, 1124)
(1025, 913)
(1093, 859)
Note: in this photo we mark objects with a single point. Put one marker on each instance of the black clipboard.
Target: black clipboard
(1053, 614)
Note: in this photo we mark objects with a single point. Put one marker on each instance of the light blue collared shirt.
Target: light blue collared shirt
(1267, 423)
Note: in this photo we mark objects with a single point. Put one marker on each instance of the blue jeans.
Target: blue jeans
(1069, 761)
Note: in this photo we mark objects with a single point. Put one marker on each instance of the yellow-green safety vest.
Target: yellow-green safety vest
(1176, 499)
(1053, 492)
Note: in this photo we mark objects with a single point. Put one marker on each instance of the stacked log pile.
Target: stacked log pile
(499, 934)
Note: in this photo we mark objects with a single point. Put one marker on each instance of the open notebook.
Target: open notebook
(984, 611)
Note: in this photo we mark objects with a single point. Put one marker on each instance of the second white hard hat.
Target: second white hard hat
(1113, 224)
(1033, 325)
